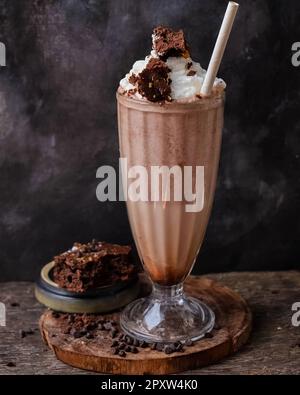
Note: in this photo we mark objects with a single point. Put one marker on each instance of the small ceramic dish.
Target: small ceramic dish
(99, 300)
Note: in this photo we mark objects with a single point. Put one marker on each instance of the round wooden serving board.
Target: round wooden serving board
(233, 327)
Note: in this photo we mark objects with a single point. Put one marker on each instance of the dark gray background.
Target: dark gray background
(58, 125)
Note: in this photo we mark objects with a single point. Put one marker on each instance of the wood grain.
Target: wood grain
(273, 347)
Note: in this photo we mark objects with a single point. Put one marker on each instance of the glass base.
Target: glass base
(166, 316)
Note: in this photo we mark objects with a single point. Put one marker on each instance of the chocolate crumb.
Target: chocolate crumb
(191, 73)
(22, 333)
(133, 79)
(199, 96)
(77, 334)
(189, 65)
(15, 304)
(11, 365)
(209, 335)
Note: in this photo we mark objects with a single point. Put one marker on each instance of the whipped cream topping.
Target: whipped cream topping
(185, 76)
(183, 85)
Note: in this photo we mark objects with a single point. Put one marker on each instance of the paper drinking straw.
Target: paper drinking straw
(219, 48)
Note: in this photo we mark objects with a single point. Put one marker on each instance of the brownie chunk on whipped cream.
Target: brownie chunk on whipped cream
(167, 42)
(91, 265)
(154, 82)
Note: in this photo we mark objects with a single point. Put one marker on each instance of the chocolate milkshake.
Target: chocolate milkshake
(164, 121)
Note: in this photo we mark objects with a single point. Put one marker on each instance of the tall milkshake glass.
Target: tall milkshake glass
(168, 237)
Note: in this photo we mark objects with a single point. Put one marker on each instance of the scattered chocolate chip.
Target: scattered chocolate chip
(55, 314)
(91, 326)
(134, 350)
(168, 349)
(129, 340)
(133, 79)
(159, 346)
(191, 73)
(199, 96)
(89, 335)
(115, 351)
(179, 347)
(122, 346)
(127, 348)
(29, 332)
(11, 365)
(143, 344)
(189, 343)
(209, 335)
(153, 346)
(15, 304)
(53, 335)
(22, 333)
(122, 353)
(77, 334)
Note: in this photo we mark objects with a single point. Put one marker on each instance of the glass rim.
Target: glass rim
(203, 104)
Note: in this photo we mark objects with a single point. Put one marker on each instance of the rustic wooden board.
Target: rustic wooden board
(274, 347)
(232, 315)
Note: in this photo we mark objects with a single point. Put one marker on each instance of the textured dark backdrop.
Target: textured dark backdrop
(58, 124)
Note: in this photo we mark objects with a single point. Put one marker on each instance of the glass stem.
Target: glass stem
(162, 292)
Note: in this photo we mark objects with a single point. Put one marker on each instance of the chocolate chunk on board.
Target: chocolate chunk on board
(92, 265)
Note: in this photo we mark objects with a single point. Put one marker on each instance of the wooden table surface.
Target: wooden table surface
(274, 346)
